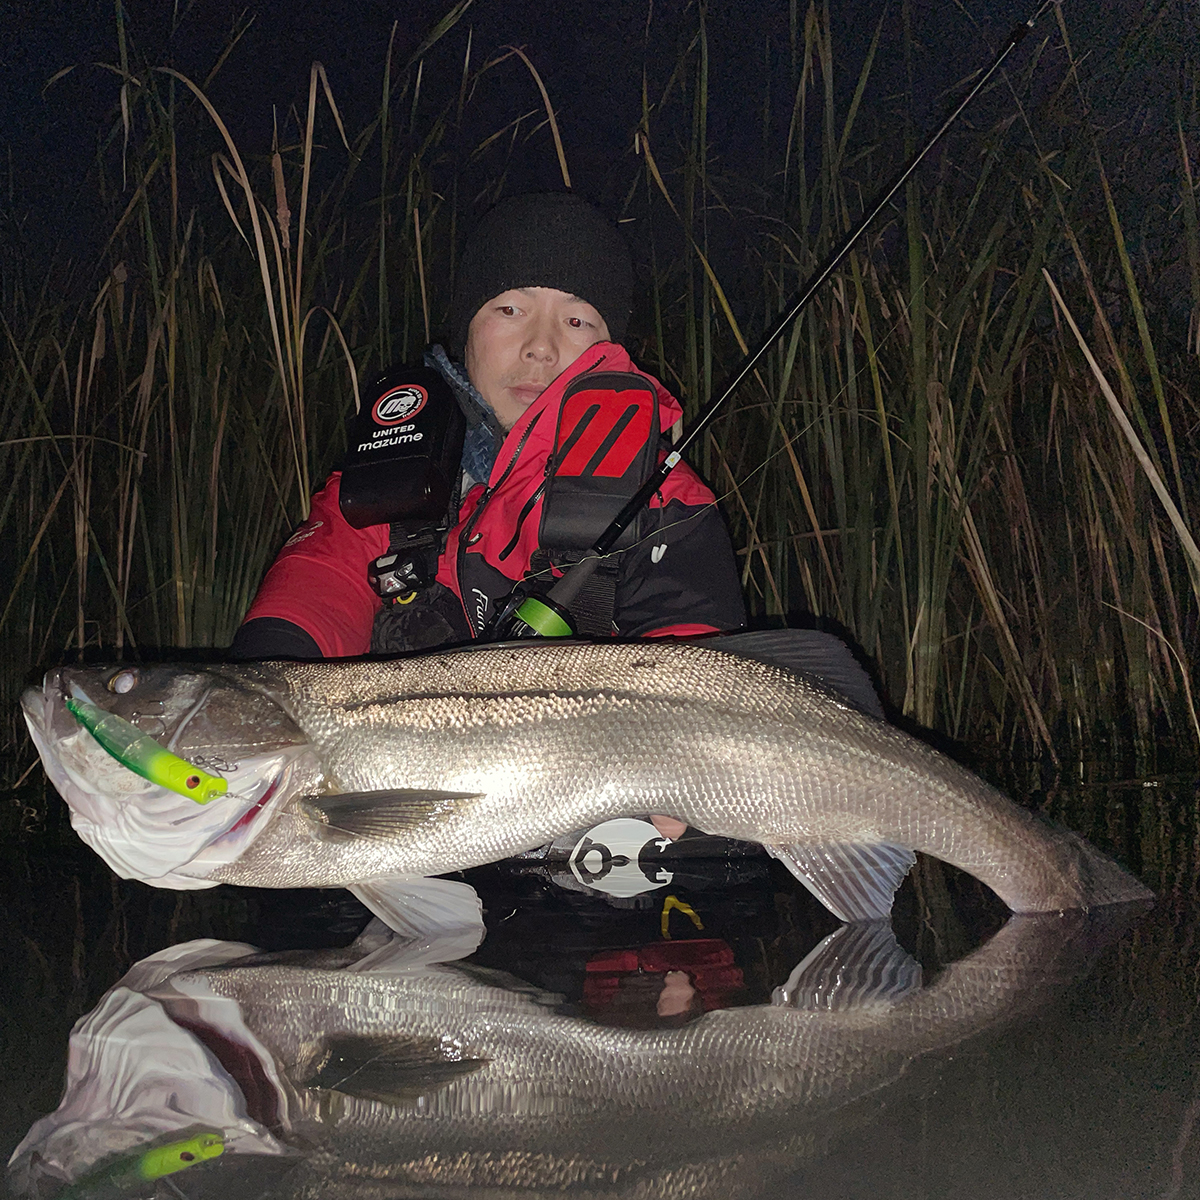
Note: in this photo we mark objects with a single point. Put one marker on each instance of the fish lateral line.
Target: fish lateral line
(142, 755)
(496, 696)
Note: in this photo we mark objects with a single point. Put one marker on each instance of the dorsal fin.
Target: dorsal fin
(811, 652)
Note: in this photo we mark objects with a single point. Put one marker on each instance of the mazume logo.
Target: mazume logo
(399, 404)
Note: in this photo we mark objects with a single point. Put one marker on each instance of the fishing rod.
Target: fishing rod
(549, 615)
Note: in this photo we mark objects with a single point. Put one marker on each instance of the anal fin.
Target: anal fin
(854, 880)
(857, 966)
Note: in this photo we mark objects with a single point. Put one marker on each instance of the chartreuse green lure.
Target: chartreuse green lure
(144, 756)
(132, 1170)
(177, 1156)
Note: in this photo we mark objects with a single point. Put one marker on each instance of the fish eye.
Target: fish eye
(122, 682)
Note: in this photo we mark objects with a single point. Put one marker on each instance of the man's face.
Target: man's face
(520, 340)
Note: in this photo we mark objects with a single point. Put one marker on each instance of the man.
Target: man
(543, 295)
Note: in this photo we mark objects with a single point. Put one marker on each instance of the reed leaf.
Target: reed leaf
(932, 461)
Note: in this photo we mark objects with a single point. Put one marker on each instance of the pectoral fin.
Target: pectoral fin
(397, 812)
(855, 881)
(858, 966)
(390, 1069)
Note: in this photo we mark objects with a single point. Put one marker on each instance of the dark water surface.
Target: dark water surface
(661, 1045)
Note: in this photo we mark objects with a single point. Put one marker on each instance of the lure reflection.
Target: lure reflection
(383, 1069)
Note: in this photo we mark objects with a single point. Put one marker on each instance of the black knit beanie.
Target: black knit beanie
(547, 239)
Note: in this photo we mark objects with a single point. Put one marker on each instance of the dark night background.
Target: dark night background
(1053, 132)
(591, 60)
(1078, 546)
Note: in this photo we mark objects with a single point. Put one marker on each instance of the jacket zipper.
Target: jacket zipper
(525, 511)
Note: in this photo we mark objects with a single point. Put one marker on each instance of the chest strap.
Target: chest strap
(594, 608)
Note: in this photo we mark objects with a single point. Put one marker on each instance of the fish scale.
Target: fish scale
(562, 738)
(475, 755)
(561, 1101)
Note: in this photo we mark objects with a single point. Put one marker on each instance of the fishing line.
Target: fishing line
(789, 439)
(546, 573)
(526, 614)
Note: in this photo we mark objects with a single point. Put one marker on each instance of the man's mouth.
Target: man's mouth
(526, 393)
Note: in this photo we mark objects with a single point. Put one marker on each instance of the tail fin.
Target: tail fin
(1102, 881)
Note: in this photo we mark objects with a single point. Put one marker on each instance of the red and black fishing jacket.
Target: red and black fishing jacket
(678, 579)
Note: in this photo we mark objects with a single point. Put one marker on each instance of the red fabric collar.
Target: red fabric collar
(608, 356)
(529, 443)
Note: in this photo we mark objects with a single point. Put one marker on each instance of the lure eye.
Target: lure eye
(122, 682)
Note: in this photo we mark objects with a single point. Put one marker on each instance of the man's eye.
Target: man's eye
(576, 322)
(509, 310)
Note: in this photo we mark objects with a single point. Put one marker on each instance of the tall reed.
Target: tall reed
(923, 462)
(931, 460)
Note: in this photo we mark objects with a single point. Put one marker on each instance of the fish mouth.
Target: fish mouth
(156, 1060)
(52, 728)
(144, 831)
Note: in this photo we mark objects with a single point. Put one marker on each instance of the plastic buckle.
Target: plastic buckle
(395, 576)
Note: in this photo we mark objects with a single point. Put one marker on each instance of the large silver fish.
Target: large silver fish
(374, 1072)
(353, 771)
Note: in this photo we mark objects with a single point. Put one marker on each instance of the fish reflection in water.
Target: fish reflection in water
(385, 1070)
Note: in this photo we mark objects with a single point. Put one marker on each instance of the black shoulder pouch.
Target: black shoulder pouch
(605, 447)
(404, 452)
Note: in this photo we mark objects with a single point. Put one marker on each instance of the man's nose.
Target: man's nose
(541, 344)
